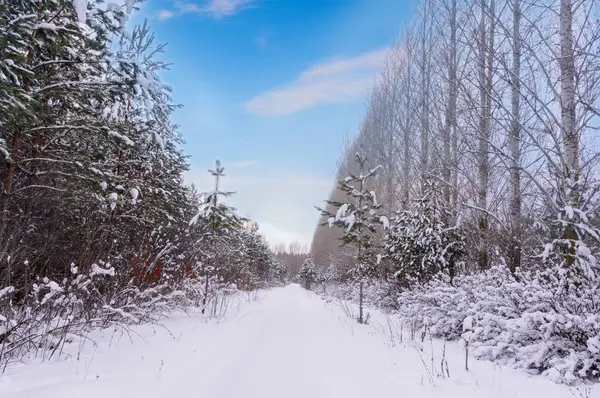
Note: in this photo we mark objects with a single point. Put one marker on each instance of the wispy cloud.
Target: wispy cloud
(216, 9)
(335, 81)
(165, 14)
(223, 8)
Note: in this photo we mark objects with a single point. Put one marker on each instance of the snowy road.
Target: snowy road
(288, 344)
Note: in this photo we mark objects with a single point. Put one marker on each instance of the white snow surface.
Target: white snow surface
(289, 343)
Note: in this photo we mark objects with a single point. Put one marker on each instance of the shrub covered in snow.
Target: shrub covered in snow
(546, 321)
(308, 273)
(52, 312)
(419, 243)
(526, 321)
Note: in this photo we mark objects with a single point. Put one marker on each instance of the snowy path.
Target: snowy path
(288, 344)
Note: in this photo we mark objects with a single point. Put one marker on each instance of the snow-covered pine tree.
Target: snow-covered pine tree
(91, 171)
(278, 271)
(217, 223)
(419, 244)
(16, 27)
(308, 273)
(358, 218)
(570, 274)
(144, 187)
(91, 166)
(258, 258)
(57, 141)
(572, 234)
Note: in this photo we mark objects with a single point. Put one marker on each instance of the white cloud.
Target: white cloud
(165, 14)
(188, 7)
(338, 80)
(281, 202)
(216, 9)
(223, 8)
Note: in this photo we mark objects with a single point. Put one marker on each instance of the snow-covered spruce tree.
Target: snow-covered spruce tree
(258, 256)
(218, 223)
(419, 244)
(57, 141)
(91, 170)
(308, 273)
(567, 306)
(278, 271)
(357, 217)
(16, 27)
(144, 191)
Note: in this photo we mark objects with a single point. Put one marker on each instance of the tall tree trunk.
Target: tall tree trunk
(570, 134)
(450, 127)
(391, 152)
(424, 97)
(10, 176)
(359, 256)
(515, 142)
(482, 150)
(450, 133)
(407, 132)
(486, 49)
(360, 303)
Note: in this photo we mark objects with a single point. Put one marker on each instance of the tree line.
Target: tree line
(96, 224)
(478, 155)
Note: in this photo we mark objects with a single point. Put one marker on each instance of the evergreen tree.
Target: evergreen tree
(418, 242)
(259, 254)
(358, 219)
(57, 145)
(145, 183)
(16, 27)
(92, 198)
(278, 271)
(308, 273)
(217, 224)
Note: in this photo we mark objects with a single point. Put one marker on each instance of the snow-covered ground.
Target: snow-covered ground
(288, 343)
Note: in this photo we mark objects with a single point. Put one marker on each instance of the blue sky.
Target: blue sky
(272, 88)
